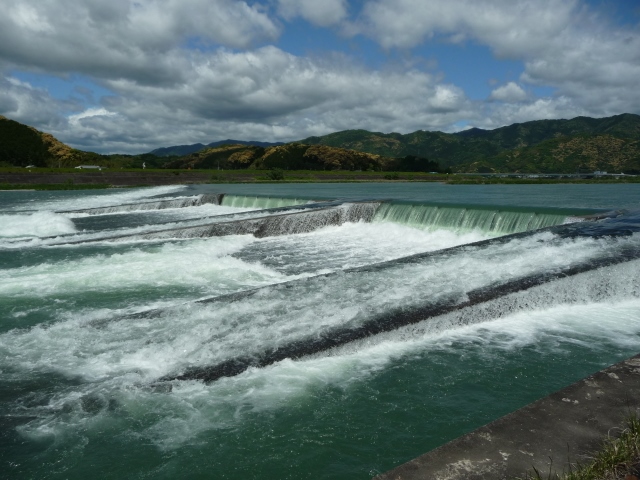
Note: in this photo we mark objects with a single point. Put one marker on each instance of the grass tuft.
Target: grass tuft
(619, 458)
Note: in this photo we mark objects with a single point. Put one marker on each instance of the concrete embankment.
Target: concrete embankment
(551, 435)
(114, 178)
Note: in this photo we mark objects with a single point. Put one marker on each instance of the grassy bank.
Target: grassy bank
(469, 180)
(53, 186)
(619, 458)
(67, 179)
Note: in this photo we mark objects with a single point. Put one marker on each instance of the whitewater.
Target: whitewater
(297, 331)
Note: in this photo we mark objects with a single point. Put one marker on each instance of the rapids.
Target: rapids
(114, 303)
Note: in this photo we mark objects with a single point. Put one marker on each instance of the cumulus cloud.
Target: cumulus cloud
(89, 113)
(509, 26)
(270, 94)
(322, 13)
(187, 71)
(511, 92)
(122, 38)
(34, 106)
(562, 44)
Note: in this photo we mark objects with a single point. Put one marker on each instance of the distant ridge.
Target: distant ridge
(579, 145)
(537, 146)
(22, 145)
(180, 150)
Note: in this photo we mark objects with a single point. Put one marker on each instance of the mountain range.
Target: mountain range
(180, 150)
(546, 146)
(581, 144)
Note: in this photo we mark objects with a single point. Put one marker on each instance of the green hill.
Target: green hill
(579, 145)
(181, 150)
(21, 145)
(472, 149)
(575, 154)
(297, 156)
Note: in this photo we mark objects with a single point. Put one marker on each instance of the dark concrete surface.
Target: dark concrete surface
(108, 177)
(550, 434)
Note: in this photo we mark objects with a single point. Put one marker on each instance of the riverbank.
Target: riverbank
(69, 178)
(72, 179)
(546, 439)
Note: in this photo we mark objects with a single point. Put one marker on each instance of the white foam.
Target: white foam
(172, 419)
(196, 263)
(353, 245)
(196, 211)
(205, 334)
(39, 224)
(113, 197)
(112, 357)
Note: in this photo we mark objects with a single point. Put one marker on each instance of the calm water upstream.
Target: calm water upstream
(98, 309)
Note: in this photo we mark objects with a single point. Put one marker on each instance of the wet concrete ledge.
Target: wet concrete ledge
(549, 435)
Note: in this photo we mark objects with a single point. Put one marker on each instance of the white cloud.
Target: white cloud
(74, 119)
(507, 25)
(511, 92)
(187, 71)
(22, 102)
(122, 38)
(264, 94)
(322, 13)
(28, 18)
(563, 44)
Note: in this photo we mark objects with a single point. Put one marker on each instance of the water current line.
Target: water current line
(410, 315)
(179, 202)
(467, 218)
(394, 320)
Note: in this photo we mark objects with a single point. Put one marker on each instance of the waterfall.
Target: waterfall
(613, 274)
(178, 202)
(266, 226)
(353, 316)
(259, 202)
(460, 218)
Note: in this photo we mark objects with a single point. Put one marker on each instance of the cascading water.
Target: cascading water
(468, 218)
(359, 334)
(260, 202)
(180, 202)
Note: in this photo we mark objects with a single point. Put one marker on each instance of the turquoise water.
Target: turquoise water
(79, 365)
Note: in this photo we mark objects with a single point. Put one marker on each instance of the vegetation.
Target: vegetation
(461, 179)
(276, 174)
(543, 146)
(618, 457)
(580, 145)
(181, 150)
(54, 186)
(21, 145)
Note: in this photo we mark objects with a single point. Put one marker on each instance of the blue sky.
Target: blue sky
(130, 76)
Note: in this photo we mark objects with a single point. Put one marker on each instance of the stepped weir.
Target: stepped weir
(271, 216)
(547, 286)
(203, 333)
(180, 202)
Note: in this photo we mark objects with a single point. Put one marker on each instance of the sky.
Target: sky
(129, 76)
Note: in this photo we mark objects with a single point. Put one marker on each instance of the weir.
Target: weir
(399, 318)
(495, 220)
(282, 224)
(495, 299)
(180, 202)
(413, 314)
(459, 218)
(312, 218)
(260, 202)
